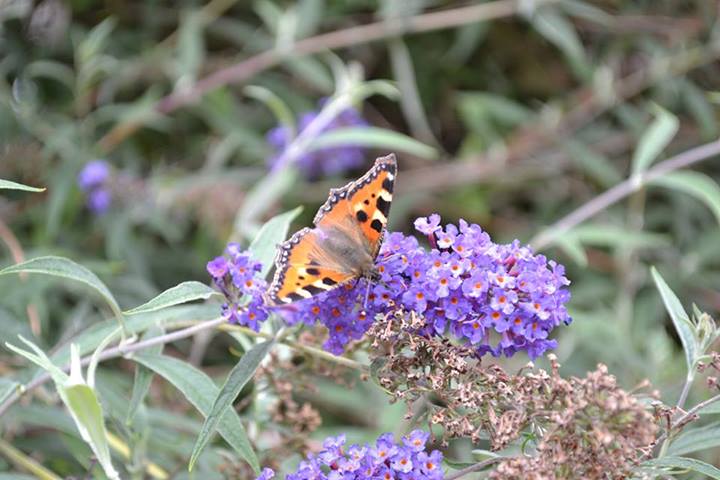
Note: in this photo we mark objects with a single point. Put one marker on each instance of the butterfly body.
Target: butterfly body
(345, 241)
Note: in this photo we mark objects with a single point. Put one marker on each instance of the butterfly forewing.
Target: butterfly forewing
(354, 216)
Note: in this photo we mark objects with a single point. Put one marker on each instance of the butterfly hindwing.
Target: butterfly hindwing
(366, 200)
(296, 276)
(306, 265)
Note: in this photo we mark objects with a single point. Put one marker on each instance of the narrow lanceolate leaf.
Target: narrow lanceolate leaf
(64, 268)
(693, 440)
(7, 388)
(682, 463)
(373, 137)
(7, 184)
(143, 375)
(86, 410)
(201, 391)
(654, 140)
(696, 184)
(183, 293)
(236, 380)
(272, 233)
(679, 318)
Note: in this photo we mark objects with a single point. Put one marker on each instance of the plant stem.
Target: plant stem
(686, 388)
(316, 352)
(371, 32)
(622, 190)
(681, 422)
(474, 468)
(123, 349)
(24, 462)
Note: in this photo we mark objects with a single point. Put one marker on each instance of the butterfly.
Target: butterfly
(345, 241)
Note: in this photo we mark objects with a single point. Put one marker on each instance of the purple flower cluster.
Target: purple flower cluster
(499, 298)
(323, 162)
(94, 179)
(236, 275)
(386, 460)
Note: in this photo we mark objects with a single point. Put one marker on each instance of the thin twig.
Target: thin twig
(362, 34)
(474, 468)
(687, 417)
(622, 190)
(117, 351)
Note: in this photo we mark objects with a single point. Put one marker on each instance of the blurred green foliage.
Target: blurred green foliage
(511, 123)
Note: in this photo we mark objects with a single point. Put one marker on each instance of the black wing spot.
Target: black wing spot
(366, 201)
(388, 185)
(314, 290)
(361, 216)
(295, 296)
(328, 281)
(312, 271)
(376, 225)
(383, 205)
(301, 277)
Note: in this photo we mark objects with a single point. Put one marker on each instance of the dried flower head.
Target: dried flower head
(589, 422)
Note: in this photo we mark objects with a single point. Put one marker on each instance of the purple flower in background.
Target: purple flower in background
(236, 276)
(387, 459)
(94, 180)
(324, 162)
(93, 174)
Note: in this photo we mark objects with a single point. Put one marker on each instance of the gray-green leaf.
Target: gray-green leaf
(273, 232)
(64, 268)
(236, 380)
(183, 293)
(683, 463)
(372, 137)
(695, 439)
(200, 391)
(696, 184)
(7, 184)
(679, 318)
(654, 140)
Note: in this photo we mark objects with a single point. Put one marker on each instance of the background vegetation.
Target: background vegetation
(508, 114)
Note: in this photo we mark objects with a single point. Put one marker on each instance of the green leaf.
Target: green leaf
(683, 463)
(274, 103)
(65, 268)
(7, 388)
(679, 318)
(183, 293)
(7, 184)
(573, 249)
(143, 375)
(697, 184)
(599, 235)
(200, 391)
(236, 380)
(556, 28)
(272, 233)
(654, 140)
(86, 410)
(712, 409)
(372, 137)
(696, 439)
(263, 194)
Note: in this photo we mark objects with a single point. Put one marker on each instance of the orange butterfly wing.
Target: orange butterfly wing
(366, 200)
(296, 277)
(360, 209)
